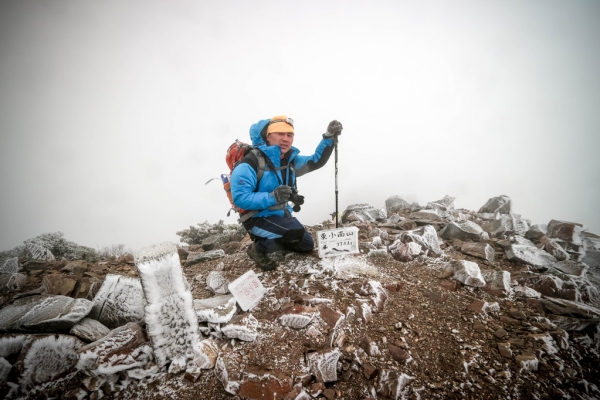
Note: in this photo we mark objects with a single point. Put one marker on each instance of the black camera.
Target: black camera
(297, 199)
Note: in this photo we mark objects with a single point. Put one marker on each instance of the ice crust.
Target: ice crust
(172, 324)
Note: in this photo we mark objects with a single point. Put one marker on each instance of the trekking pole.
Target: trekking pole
(336, 187)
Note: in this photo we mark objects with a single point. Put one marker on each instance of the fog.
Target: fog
(114, 114)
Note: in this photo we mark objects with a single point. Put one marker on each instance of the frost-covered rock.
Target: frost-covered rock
(369, 346)
(58, 284)
(361, 213)
(479, 249)
(123, 348)
(506, 225)
(553, 248)
(217, 309)
(323, 364)
(172, 324)
(592, 251)
(120, 300)
(12, 282)
(217, 282)
(569, 267)
(536, 232)
(405, 251)
(500, 204)
(567, 231)
(467, 272)
(206, 352)
(463, 230)
(10, 266)
(49, 358)
(426, 216)
(43, 314)
(195, 258)
(89, 330)
(395, 203)
(497, 280)
(264, 383)
(527, 362)
(228, 371)
(297, 316)
(392, 384)
(527, 292)
(530, 255)
(426, 236)
(442, 206)
(376, 292)
(243, 327)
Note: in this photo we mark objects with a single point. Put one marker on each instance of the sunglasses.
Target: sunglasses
(288, 121)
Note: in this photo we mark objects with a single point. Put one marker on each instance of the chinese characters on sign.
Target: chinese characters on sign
(247, 290)
(333, 242)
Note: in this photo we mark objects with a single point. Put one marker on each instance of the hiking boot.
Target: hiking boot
(261, 259)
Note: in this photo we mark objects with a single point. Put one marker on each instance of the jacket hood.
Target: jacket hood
(273, 152)
(255, 132)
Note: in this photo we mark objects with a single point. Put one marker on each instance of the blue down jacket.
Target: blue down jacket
(243, 177)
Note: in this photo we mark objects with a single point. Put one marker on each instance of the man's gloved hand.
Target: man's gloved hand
(282, 193)
(333, 129)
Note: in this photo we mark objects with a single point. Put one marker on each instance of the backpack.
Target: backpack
(235, 154)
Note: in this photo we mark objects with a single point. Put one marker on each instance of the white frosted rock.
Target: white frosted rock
(49, 358)
(467, 272)
(567, 231)
(206, 352)
(217, 282)
(376, 292)
(570, 268)
(10, 266)
(497, 280)
(243, 327)
(89, 330)
(392, 384)
(480, 250)
(394, 204)
(123, 348)
(531, 256)
(172, 324)
(425, 236)
(554, 249)
(527, 363)
(366, 312)
(195, 258)
(228, 371)
(426, 216)
(297, 317)
(43, 314)
(12, 282)
(405, 251)
(463, 230)
(120, 300)
(323, 364)
(217, 309)
(500, 204)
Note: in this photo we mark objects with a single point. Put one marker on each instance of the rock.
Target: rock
(77, 267)
(568, 267)
(120, 300)
(565, 307)
(330, 317)
(441, 206)
(217, 309)
(123, 348)
(554, 249)
(12, 282)
(205, 355)
(482, 307)
(480, 250)
(463, 230)
(561, 338)
(526, 363)
(43, 314)
(426, 236)
(500, 333)
(370, 371)
(58, 284)
(243, 327)
(395, 204)
(504, 350)
(536, 232)
(89, 330)
(567, 231)
(361, 213)
(398, 354)
(531, 256)
(217, 282)
(467, 272)
(524, 291)
(263, 383)
(376, 292)
(506, 225)
(501, 204)
(592, 251)
(323, 364)
(369, 346)
(36, 252)
(426, 217)
(10, 266)
(228, 370)
(169, 312)
(195, 258)
(86, 288)
(405, 251)
(450, 285)
(391, 384)
(212, 242)
(497, 280)
(48, 358)
(297, 317)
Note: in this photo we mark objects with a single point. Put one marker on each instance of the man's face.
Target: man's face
(282, 139)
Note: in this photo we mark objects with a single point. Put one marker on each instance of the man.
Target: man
(269, 218)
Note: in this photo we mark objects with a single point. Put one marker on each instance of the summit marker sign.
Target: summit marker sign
(335, 242)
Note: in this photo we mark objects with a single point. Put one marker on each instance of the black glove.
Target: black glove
(333, 129)
(282, 193)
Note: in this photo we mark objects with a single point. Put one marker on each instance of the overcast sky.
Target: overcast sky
(113, 114)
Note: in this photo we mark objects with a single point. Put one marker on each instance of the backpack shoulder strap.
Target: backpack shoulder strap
(262, 163)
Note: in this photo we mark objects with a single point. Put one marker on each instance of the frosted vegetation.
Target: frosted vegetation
(196, 234)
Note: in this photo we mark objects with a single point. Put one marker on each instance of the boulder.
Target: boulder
(43, 314)
(441, 207)
(120, 300)
(506, 225)
(12, 282)
(426, 236)
(531, 256)
(361, 213)
(536, 232)
(218, 309)
(377, 294)
(77, 267)
(228, 370)
(426, 217)
(497, 280)
(592, 251)
(405, 251)
(89, 330)
(195, 258)
(262, 383)
(395, 204)
(10, 266)
(500, 204)
(323, 364)
(467, 272)
(243, 327)
(479, 249)
(554, 249)
(567, 231)
(58, 284)
(463, 230)
(297, 316)
(217, 282)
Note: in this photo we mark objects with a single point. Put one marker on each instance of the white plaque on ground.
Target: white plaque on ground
(247, 290)
(335, 242)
